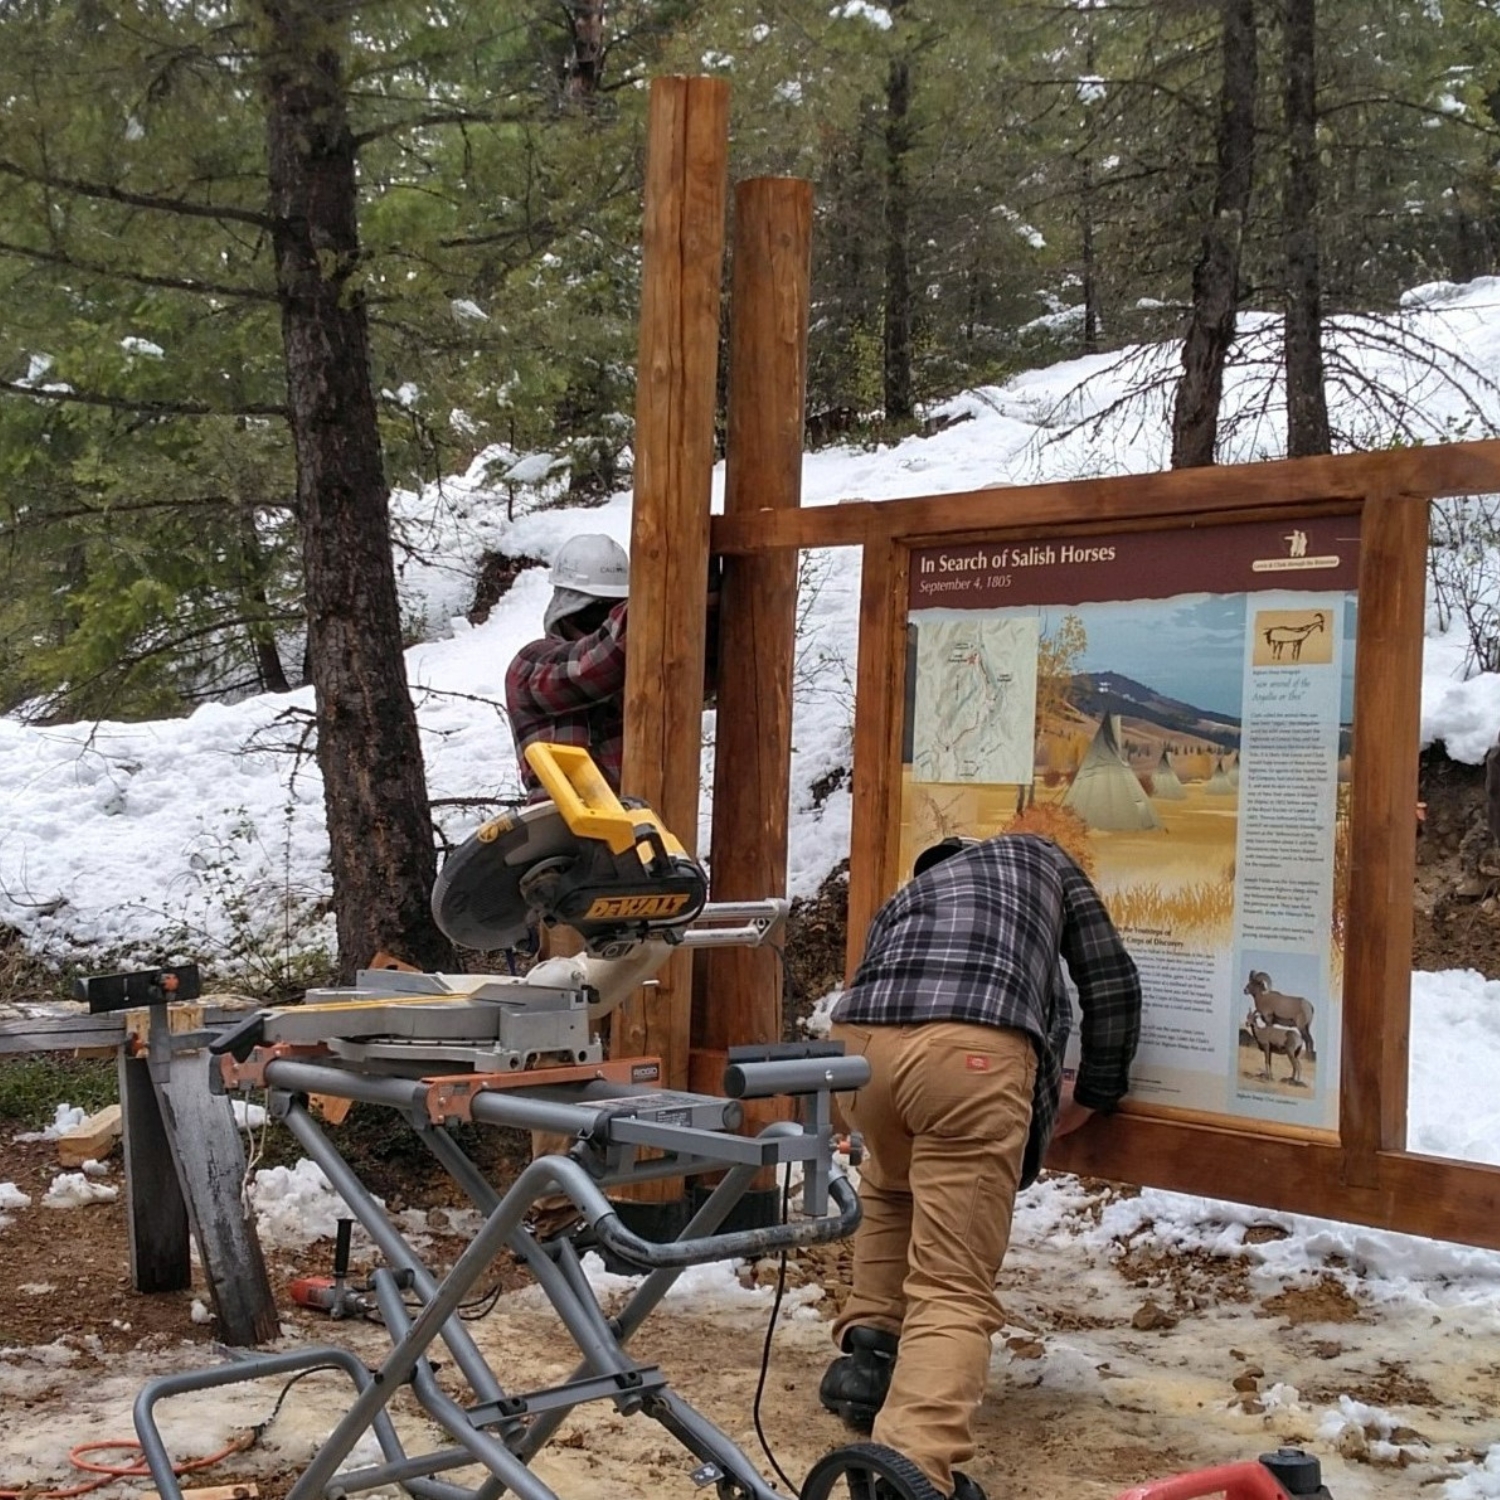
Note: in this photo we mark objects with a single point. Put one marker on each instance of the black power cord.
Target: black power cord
(765, 1351)
(789, 991)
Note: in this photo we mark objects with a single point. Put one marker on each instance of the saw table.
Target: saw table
(517, 1051)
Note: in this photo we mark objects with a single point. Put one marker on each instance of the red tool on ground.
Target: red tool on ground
(333, 1294)
(1273, 1476)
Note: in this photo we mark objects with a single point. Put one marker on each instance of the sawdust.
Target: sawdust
(1326, 1301)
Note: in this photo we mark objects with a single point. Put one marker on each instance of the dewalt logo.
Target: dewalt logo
(622, 908)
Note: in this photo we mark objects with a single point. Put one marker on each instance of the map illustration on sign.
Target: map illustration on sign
(975, 700)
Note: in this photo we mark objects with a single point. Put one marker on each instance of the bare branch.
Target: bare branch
(141, 408)
(151, 201)
(138, 278)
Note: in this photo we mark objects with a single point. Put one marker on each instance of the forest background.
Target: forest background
(262, 260)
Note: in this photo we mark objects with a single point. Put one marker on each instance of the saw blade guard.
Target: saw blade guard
(583, 860)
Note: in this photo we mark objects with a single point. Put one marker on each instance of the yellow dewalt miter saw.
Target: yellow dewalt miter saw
(584, 860)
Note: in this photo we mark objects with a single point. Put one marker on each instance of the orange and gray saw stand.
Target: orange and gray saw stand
(515, 1052)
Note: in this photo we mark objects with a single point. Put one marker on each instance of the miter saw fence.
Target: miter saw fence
(584, 859)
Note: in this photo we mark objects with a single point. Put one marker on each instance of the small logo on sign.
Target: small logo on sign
(977, 1062)
(645, 1072)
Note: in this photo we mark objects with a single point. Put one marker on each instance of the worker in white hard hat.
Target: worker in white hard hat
(568, 687)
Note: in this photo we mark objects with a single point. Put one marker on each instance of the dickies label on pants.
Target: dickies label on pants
(977, 1062)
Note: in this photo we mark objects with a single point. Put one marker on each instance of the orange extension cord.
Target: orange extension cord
(108, 1473)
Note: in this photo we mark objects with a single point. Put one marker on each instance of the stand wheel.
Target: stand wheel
(867, 1471)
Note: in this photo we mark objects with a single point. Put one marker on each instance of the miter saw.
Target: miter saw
(583, 860)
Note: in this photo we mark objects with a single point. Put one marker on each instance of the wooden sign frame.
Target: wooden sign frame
(1364, 1175)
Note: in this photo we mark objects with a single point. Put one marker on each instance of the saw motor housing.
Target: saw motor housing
(584, 860)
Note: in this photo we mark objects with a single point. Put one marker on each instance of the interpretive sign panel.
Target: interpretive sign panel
(1174, 707)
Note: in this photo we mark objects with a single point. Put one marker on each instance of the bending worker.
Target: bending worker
(568, 686)
(960, 1007)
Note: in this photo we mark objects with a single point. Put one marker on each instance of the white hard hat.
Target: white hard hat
(594, 565)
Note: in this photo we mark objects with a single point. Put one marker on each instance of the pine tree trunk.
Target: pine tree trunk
(585, 66)
(1306, 399)
(257, 607)
(1090, 263)
(896, 364)
(1216, 276)
(374, 787)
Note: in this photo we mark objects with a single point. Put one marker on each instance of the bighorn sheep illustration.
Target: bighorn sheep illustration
(1280, 637)
(1278, 1009)
(1271, 1037)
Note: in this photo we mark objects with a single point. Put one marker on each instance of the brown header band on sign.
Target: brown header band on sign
(1310, 554)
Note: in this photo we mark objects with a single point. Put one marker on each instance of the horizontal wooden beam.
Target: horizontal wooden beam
(1412, 1194)
(1421, 473)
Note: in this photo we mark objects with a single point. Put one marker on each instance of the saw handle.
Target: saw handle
(588, 803)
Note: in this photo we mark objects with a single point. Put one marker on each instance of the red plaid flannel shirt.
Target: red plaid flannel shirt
(571, 693)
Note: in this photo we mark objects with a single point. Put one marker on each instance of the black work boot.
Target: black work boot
(964, 1488)
(854, 1386)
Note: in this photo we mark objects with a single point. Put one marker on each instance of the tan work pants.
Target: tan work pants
(944, 1119)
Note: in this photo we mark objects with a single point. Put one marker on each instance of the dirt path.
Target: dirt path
(1116, 1365)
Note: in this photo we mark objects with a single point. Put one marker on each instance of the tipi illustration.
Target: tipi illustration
(1164, 782)
(1219, 784)
(1105, 792)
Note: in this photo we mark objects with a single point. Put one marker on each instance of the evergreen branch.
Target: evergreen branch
(546, 229)
(151, 201)
(114, 674)
(39, 519)
(136, 278)
(421, 122)
(142, 408)
(1425, 112)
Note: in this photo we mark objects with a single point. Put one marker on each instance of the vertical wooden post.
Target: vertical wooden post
(1383, 833)
(184, 1166)
(156, 1211)
(741, 987)
(881, 681)
(686, 186)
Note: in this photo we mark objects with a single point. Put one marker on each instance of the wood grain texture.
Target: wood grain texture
(739, 997)
(683, 251)
(880, 693)
(758, 603)
(210, 1160)
(156, 1213)
(1383, 832)
(1412, 1194)
(1180, 495)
